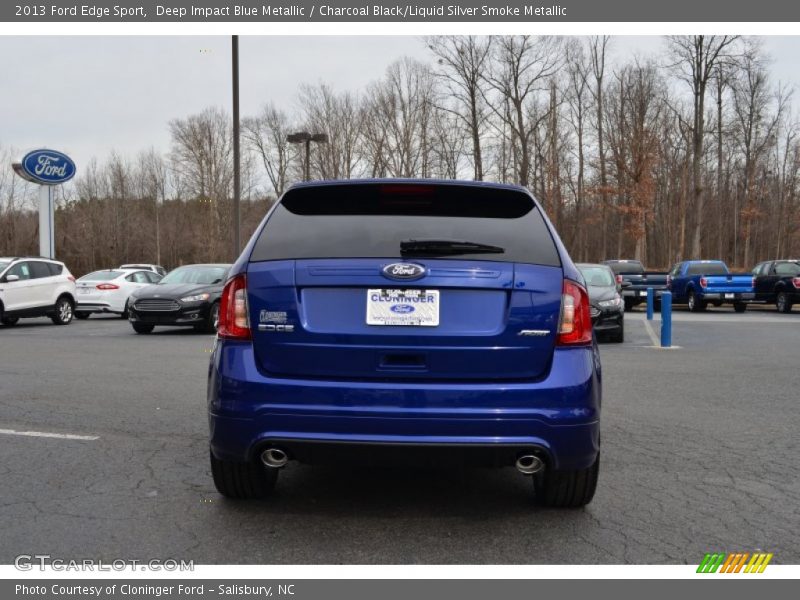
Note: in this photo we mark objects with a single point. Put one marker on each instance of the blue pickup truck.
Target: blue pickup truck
(699, 283)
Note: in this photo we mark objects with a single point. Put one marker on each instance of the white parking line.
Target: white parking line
(651, 333)
(44, 434)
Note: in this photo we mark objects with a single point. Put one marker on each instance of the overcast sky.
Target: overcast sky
(89, 95)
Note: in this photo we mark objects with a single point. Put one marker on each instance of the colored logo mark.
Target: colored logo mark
(734, 562)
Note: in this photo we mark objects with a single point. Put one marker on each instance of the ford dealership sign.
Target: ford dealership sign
(48, 167)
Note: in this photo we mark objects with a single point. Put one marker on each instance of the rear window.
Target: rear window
(371, 221)
(628, 266)
(790, 269)
(101, 276)
(707, 269)
(598, 276)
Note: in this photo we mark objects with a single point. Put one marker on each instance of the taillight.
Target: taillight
(619, 279)
(107, 286)
(71, 278)
(234, 322)
(753, 282)
(703, 282)
(796, 282)
(575, 323)
(669, 282)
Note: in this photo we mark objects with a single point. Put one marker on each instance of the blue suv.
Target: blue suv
(410, 320)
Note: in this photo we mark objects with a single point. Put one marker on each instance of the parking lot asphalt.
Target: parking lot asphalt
(699, 453)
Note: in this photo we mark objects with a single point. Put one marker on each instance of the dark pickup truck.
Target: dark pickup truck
(778, 281)
(634, 281)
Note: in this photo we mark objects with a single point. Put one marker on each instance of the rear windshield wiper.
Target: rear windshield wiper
(446, 247)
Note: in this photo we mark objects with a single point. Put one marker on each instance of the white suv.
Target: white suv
(36, 287)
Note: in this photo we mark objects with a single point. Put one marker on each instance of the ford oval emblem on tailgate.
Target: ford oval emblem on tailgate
(403, 271)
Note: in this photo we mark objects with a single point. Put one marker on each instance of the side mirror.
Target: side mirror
(11, 278)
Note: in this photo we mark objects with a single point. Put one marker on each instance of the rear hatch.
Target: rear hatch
(430, 282)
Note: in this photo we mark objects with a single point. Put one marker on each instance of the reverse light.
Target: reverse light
(196, 298)
(107, 286)
(575, 323)
(234, 322)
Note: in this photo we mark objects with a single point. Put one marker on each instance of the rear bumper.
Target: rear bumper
(558, 416)
(93, 307)
(729, 296)
(641, 293)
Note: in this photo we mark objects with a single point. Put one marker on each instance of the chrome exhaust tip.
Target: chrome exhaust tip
(274, 458)
(529, 464)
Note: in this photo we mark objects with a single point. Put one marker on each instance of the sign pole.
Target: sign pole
(46, 222)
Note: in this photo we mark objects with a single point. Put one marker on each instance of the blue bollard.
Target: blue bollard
(666, 320)
(650, 303)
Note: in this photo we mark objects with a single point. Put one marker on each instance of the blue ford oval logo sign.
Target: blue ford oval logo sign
(48, 167)
(402, 309)
(403, 271)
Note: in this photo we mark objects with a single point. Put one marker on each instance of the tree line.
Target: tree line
(693, 155)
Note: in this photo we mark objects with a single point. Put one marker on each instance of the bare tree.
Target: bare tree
(339, 116)
(522, 67)
(462, 62)
(266, 135)
(695, 59)
(398, 118)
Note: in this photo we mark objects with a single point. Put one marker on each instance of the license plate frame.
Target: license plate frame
(395, 307)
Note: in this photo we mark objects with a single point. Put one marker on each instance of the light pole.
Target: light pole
(237, 186)
(304, 137)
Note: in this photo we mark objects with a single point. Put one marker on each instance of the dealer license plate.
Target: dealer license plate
(403, 307)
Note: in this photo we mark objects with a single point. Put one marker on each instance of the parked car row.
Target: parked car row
(144, 294)
(700, 283)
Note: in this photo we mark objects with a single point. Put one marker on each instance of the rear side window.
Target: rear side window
(372, 220)
(39, 270)
(787, 269)
(55, 268)
(628, 266)
(707, 269)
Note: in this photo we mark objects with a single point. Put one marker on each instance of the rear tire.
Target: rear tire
(242, 480)
(629, 304)
(740, 307)
(124, 314)
(782, 302)
(142, 327)
(695, 304)
(63, 312)
(82, 315)
(567, 489)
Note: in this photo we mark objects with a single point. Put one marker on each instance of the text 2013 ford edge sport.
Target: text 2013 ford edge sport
(371, 320)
